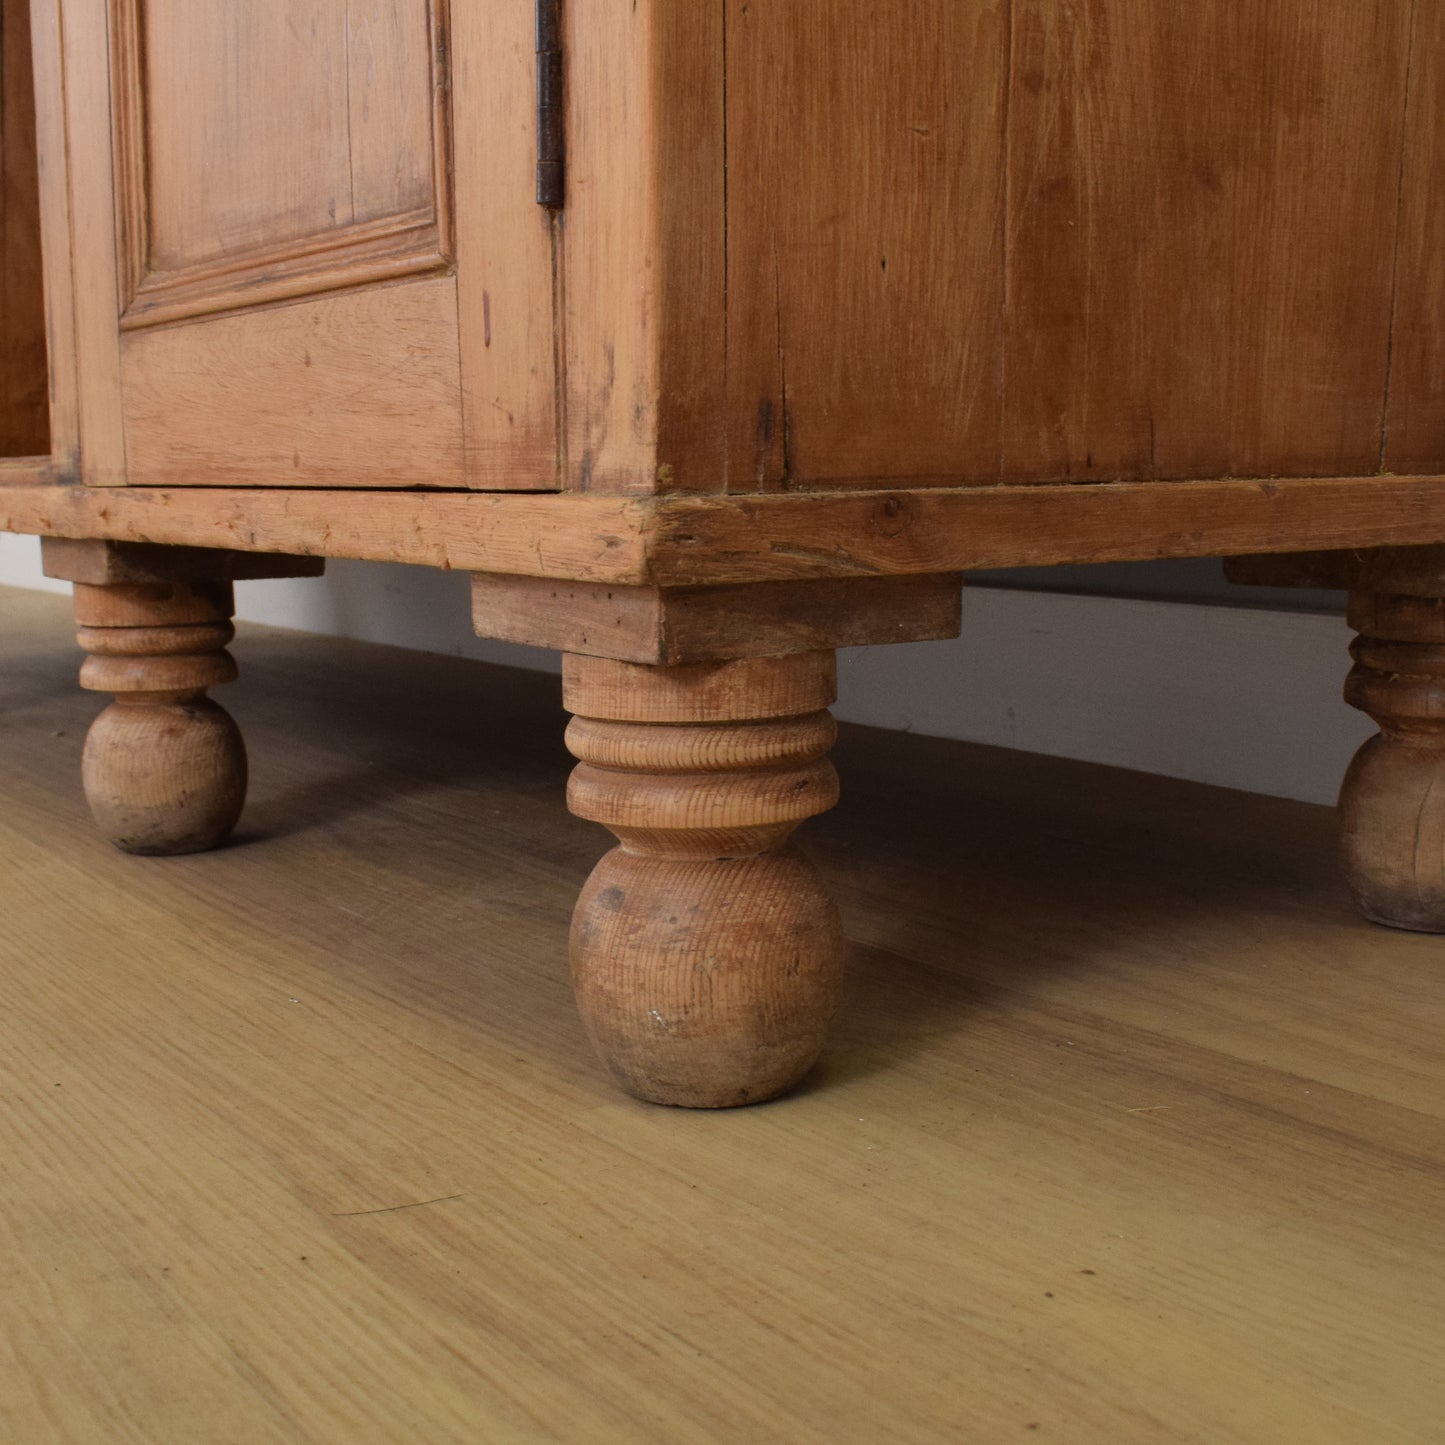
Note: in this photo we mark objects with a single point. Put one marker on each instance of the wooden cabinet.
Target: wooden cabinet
(827, 305)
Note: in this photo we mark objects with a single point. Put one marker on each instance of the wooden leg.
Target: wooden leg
(705, 951)
(1392, 805)
(164, 766)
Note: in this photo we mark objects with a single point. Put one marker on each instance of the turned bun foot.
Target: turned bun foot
(705, 951)
(164, 766)
(706, 984)
(1392, 802)
(1392, 832)
(165, 778)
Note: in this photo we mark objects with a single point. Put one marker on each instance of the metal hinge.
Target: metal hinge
(551, 153)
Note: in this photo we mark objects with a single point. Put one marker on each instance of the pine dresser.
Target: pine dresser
(709, 338)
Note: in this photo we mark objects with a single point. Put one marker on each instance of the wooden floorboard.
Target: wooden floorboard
(1129, 1132)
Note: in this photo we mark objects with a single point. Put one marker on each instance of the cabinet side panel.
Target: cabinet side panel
(24, 384)
(865, 209)
(1415, 422)
(504, 253)
(1032, 240)
(1202, 205)
(77, 65)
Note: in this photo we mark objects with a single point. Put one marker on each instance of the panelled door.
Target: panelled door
(330, 266)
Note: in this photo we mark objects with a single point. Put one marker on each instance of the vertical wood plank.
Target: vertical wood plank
(84, 60)
(1200, 211)
(865, 189)
(1415, 418)
(504, 254)
(644, 243)
(360, 386)
(610, 367)
(1202, 207)
(689, 150)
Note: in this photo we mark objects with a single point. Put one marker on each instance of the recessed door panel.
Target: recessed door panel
(276, 148)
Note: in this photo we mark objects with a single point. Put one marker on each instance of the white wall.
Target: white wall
(1240, 696)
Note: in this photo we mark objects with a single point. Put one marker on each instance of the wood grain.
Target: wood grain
(706, 953)
(74, 61)
(1123, 1101)
(24, 369)
(779, 687)
(355, 86)
(610, 380)
(106, 564)
(593, 538)
(688, 153)
(865, 260)
(796, 251)
(643, 255)
(220, 206)
(1415, 418)
(164, 768)
(1202, 205)
(361, 389)
(506, 309)
(673, 625)
(55, 241)
(1392, 817)
(713, 541)
(449, 381)
(28, 472)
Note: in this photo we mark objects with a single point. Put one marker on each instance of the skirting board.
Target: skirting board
(1241, 697)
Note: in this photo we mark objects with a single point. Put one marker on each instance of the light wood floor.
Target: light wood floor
(1130, 1131)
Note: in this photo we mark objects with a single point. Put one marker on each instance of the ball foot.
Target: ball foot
(706, 984)
(1392, 802)
(1392, 833)
(165, 778)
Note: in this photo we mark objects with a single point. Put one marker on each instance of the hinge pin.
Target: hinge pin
(551, 170)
